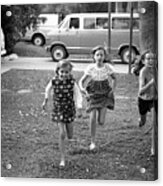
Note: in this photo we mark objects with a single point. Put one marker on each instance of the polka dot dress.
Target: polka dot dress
(63, 102)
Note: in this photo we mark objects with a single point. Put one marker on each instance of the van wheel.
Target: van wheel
(58, 53)
(38, 40)
(125, 55)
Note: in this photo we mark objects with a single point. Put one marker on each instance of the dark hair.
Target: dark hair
(137, 65)
(138, 62)
(143, 55)
(100, 47)
(63, 64)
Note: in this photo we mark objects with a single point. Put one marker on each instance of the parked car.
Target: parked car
(79, 33)
(45, 23)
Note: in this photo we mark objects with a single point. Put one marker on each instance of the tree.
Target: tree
(14, 21)
(149, 40)
(149, 26)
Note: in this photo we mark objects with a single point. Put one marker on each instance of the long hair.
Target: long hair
(139, 62)
(137, 65)
(143, 55)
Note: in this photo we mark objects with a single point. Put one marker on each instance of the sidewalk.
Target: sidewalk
(47, 64)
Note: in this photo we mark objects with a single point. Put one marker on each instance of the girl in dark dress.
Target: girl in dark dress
(66, 97)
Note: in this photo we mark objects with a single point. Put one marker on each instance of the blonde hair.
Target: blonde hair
(63, 64)
(148, 51)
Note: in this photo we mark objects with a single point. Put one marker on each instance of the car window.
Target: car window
(74, 23)
(89, 23)
(41, 20)
(136, 23)
(124, 23)
(101, 23)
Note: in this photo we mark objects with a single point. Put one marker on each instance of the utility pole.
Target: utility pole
(131, 34)
(109, 28)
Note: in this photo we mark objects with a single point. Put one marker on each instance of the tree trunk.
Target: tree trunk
(149, 26)
(149, 40)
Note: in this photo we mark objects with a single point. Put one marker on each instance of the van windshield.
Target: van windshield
(63, 24)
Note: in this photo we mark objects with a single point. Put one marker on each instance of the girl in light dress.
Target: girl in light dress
(98, 85)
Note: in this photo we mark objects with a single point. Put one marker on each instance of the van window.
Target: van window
(124, 23)
(89, 23)
(102, 23)
(74, 23)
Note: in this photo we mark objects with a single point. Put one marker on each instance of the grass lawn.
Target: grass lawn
(29, 139)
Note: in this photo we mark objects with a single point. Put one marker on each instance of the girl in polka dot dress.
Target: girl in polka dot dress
(66, 97)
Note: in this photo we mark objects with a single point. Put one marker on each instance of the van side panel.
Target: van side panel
(120, 32)
(71, 39)
(120, 38)
(91, 38)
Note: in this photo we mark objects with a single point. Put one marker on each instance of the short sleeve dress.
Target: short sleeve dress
(98, 88)
(63, 100)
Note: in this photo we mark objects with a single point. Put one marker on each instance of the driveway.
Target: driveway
(48, 64)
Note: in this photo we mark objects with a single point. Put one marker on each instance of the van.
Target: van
(79, 33)
(45, 23)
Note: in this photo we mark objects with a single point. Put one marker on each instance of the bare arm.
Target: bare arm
(142, 86)
(114, 81)
(77, 96)
(82, 82)
(47, 92)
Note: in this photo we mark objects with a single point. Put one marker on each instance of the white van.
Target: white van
(79, 33)
(45, 23)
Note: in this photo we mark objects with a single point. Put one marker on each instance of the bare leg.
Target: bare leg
(101, 116)
(69, 130)
(142, 120)
(154, 133)
(62, 143)
(93, 128)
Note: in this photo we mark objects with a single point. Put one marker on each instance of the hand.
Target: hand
(44, 104)
(79, 113)
(84, 92)
(44, 113)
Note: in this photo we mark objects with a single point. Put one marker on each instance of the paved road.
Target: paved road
(48, 64)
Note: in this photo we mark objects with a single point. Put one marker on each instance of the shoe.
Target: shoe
(92, 146)
(62, 164)
(152, 152)
(71, 140)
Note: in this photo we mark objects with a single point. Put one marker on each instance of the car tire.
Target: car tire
(125, 55)
(38, 40)
(58, 53)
